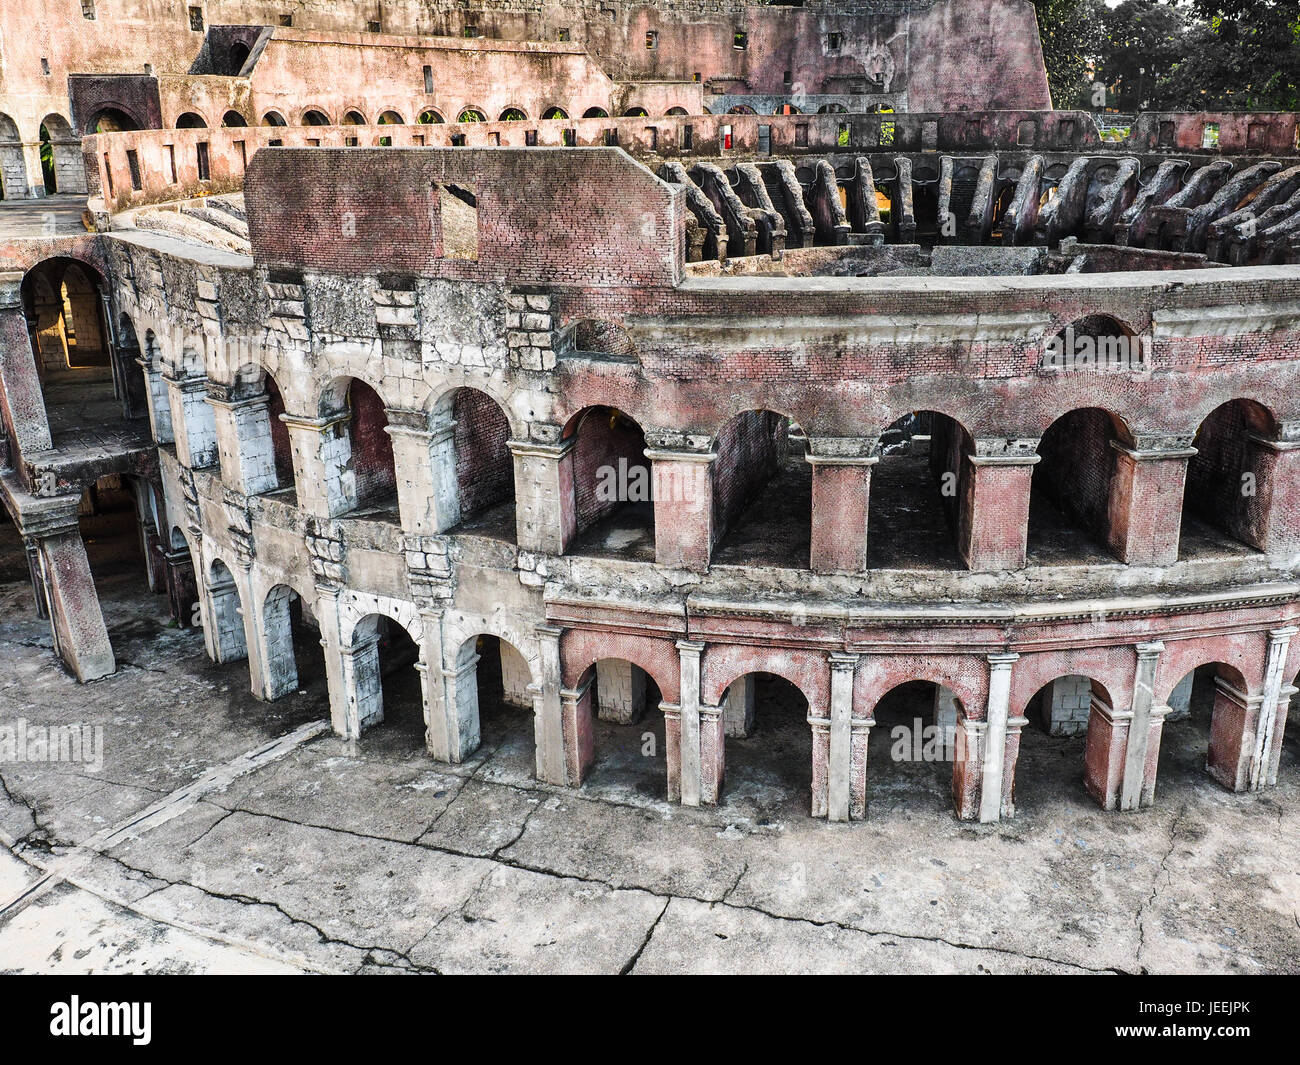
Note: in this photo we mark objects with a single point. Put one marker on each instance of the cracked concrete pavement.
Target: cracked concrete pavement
(198, 848)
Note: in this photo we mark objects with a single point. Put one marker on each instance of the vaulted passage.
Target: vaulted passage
(1227, 482)
(768, 758)
(762, 491)
(1069, 519)
(612, 496)
(911, 751)
(381, 662)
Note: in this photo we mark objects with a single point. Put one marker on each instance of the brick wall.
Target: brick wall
(748, 449)
(372, 447)
(604, 437)
(485, 467)
(1076, 468)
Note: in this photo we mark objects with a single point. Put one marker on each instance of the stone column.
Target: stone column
(1232, 735)
(192, 421)
(620, 691)
(545, 514)
(993, 516)
(713, 754)
(1146, 500)
(738, 707)
(579, 741)
(271, 634)
(968, 767)
(424, 460)
(336, 678)
(689, 653)
(243, 438)
(996, 769)
(363, 685)
(683, 498)
(21, 398)
(1271, 524)
(673, 748)
(549, 724)
(841, 496)
(321, 449)
(1272, 712)
(160, 411)
(76, 621)
(1105, 753)
(1136, 762)
(32, 548)
(454, 727)
(1011, 749)
(839, 801)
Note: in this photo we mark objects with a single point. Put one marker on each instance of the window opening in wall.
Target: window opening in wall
(313, 142)
(88, 9)
(886, 134)
(740, 39)
(726, 138)
(458, 214)
(169, 163)
(833, 41)
(842, 135)
(494, 139)
(787, 78)
(611, 138)
(458, 140)
(196, 19)
(688, 138)
(652, 38)
(1210, 135)
(695, 76)
(148, 70)
(275, 143)
(801, 136)
(530, 138)
(418, 140)
(652, 134)
(764, 140)
(202, 150)
(1026, 132)
(286, 20)
(349, 142)
(133, 164)
(243, 155)
(45, 65)
(472, 31)
(563, 35)
(570, 138)
(428, 79)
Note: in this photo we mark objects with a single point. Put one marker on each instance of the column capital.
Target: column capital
(315, 425)
(1151, 649)
(1156, 449)
(661, 455)
(690, 648)
(1282, 634)
(1002, 660)
(536, 449)
(843, 660)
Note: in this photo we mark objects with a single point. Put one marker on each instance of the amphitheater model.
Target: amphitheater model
(614, 414)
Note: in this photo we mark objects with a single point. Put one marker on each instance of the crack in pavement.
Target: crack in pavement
(1140, 917)
(630, 964)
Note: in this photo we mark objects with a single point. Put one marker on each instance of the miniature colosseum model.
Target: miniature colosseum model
(861, 378)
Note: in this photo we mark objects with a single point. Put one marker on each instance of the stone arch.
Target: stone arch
(233, 118)
(368, 639)
(13, 168)
(597, 335)
(595, 112)
(65, 169)
(476, 474)
(1071, 515)
(486, 665)
(390, 118)
(236, 58)
(263, 450)
(353, 117)
(315, 116)
(274, 118)
(918, 740)
(611, 481)
(287, 644)
(1226, 476)
(582, 649)
(114, 118)
(513, 114)
(636, 112)
(227, 642)
(676, 111)
(470, 113)
(131, 381)
(917, 490)
(430, 117)
(191, 120)
(554, 113)
(358, 453)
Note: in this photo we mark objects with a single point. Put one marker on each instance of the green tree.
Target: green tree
(1070, 31)
(1142, 42)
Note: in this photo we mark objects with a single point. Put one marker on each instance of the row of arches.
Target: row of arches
(319, 116)
(58, 150)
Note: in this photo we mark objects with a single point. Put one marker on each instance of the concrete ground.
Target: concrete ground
(226, 835)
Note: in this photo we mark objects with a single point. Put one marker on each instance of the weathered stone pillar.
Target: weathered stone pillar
(193, 421)
(993, 517)
(1232, 735)
(683, 498)
(620, 691)
(673, 749)
(336, 677)
(453, 712)
(738, 707)
(243, 437)
(545, 514)
(327, 485)
(1272, 712)
(996, 769)
(76, 621)
(841, 496)
(579, 741)
(1146, 500)
(689, 653)
(32, 548)
(21, 398)
(968, 767)
(363, 685)
(160, 411)
(549, 726)
(271, 634)
(1141, 726)
(1011, 748)
(516, 678)
(1270, 522)
(1105, 753)
(713, 754)
(424, 460)
(839, 792)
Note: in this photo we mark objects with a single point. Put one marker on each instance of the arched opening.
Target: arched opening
(513, 114)
(494, 698)
(912, 748)
(628, 744)
(1202, 729)
(315, 117)
(118, 527)
(768, 761)
(111, 120)
(1050, 765)
(391, 118)
(612, 497)
(1069, 500)
(190, 120)
(675, 111)
(554, 113)
(386, 684)
(1222, 512)
(762, 491)
(265, 454)
(367, 478)
(636, 112)
(129, 379)
(353, 118)
(741, 109)
(48, 175)
(429, 117)
(295, 659)
(226, 640)
(236, 58)
(481, 465)
(274, 118)
(13, 170)
(61, 159)
(233, 118)
(471, 114)
(832, 109)
(916, 492)
(69, 337)
(595, 112)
